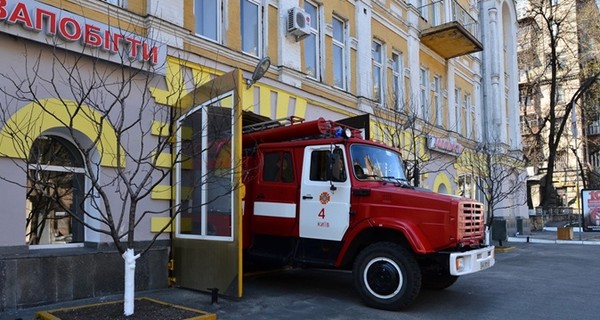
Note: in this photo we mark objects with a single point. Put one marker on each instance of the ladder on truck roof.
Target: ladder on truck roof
(271, 124)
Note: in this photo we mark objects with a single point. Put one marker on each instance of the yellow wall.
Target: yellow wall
(25, 125)
(104, 16)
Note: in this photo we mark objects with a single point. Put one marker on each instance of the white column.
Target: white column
(495, 127)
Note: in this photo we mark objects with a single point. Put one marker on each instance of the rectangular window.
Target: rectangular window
(377, 71)
(469, 114)
(479, 190)
(326, 165)
(525, 96)
(465, 186)
(457, 109)
(312, 42)
(560, 93)
(437, 13)
(466, 124)
(339, 56)
(250, 26)
(397, 80)
(424, 93)
(470, 186)
(437, 99)
(423, 7)
(208, 15)
(205, 178)
(277, 167)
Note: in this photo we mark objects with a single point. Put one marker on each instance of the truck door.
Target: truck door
(275, 195)
(324, 193)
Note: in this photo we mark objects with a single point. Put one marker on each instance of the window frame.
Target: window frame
(423, 7)
(218, 14)
(437, 99)
(341, 45)
(424, 92)
(203, 160)
(83, 209)
(315, 26)
(560, 93)
(474, 186)
(258, 30)
(398, 79)
(466, 123)
(377, 70)
(468, 112)
(458, 108)
(279, 176)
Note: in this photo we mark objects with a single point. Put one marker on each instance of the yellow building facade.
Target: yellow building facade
(420, 70)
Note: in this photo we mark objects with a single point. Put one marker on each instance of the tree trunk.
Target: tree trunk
(129, 297)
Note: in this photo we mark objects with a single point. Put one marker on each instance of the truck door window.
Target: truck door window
(325, 166)
(277, 167)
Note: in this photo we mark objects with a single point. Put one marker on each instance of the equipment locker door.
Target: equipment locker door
(325, 193)
(207, 236)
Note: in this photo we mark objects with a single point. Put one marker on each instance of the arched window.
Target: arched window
(55, 192)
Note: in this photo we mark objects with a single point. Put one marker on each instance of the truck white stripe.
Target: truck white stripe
(275, 209)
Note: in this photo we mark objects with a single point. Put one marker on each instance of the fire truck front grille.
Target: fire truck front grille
(470, 222)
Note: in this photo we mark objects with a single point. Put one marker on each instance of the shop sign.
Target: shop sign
(444, 145)
(46, 24)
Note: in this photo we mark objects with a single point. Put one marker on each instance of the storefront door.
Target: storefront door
(207, 236)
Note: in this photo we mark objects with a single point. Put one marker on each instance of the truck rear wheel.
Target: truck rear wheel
(387, 276)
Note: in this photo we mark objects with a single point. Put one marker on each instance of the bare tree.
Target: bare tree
(501, 177)
(551, 83)
(124, 145)
(408, 132)
(588, 97)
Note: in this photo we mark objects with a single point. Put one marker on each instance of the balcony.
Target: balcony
(453, 37)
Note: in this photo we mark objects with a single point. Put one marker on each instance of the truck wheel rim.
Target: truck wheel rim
(383, 278)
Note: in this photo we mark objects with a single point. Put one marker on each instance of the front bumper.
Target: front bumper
(472, 261)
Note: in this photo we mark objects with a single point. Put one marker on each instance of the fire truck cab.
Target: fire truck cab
(319, 195)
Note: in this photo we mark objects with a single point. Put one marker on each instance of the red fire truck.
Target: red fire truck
(319, 195)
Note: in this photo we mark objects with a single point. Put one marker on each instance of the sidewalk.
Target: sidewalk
(265, 300)
(549, 235)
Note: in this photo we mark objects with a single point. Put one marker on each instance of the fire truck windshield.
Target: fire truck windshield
(376, 163)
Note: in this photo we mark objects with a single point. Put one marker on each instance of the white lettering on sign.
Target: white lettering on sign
(445, 145)
(42, 22)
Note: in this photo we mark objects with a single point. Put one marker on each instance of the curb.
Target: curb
(527, 239)
(201, 315)
(505, 249)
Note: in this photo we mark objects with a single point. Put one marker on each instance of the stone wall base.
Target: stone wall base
(39, 277)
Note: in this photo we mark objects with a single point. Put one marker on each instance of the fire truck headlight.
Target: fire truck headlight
(460, 264)
(343, 133)
(347, 133)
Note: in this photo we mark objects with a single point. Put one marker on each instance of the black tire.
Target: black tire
(437, 280)
(387, 276)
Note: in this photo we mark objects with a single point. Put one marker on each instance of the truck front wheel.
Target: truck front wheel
(387, 276)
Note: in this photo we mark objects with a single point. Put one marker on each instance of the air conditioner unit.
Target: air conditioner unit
(298, 23)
